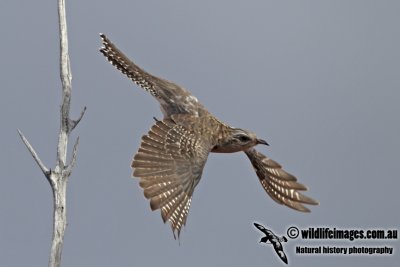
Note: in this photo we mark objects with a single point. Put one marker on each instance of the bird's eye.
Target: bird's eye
(244, 138)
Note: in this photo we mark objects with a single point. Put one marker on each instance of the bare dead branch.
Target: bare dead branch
(66, 78)
(74, 123)
(58, 178)
(73, 159)
(35, 156)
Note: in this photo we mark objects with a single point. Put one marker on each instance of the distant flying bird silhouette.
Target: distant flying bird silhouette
(274, 240)
(173, 153)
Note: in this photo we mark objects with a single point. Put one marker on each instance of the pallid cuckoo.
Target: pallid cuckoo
(173, 153)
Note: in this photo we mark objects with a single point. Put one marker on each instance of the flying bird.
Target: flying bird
(274, 241)
(172, 155)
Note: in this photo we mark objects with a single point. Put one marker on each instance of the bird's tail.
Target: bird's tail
(126, 66)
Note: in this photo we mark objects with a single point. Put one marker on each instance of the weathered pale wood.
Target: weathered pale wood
(58, 177)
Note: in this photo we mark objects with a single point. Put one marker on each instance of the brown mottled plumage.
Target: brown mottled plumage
(173, 153)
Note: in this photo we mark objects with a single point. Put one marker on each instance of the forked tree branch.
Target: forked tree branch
(58, 177)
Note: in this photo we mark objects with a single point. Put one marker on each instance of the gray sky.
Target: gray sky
(319, 80)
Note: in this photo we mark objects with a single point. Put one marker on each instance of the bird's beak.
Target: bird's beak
(262, 142)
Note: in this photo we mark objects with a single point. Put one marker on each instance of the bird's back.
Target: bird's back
(173, 99)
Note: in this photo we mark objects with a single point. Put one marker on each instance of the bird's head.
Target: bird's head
(238, 140)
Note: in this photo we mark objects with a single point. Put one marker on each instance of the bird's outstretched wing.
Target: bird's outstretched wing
(170, 163)
(279, 185)
(279, 250)
(174, 99)
(266, 231)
